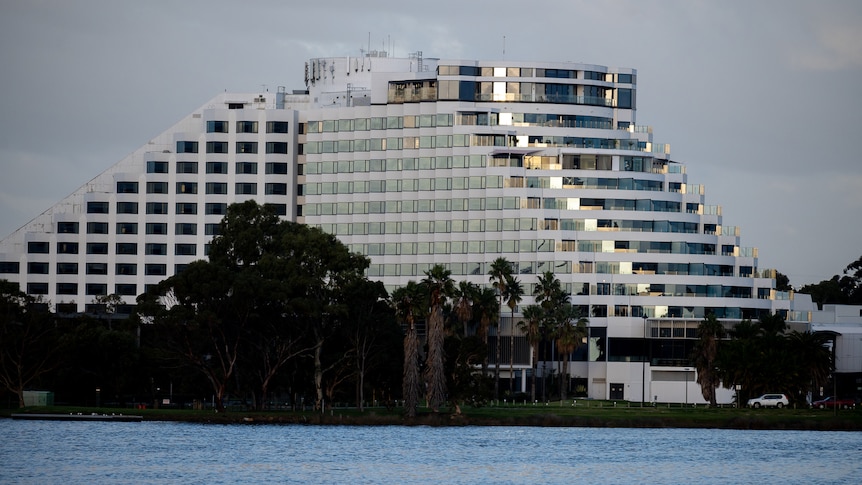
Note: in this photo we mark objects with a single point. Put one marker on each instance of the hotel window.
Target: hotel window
(10, 267)
(245, 188)
(157, 228)
(246, 126)
(157, 187)
(97, 248)
(96, 289)
(38, 247)
(246, 147)
(216, 188)
(185, 249)
(187, 208)
(277, 209)
(216, 167)
(97, 268)
(211, 229)
(187, 188)
(127, 207)
(126, 269)
(276, 168)
(67, 268)
(97, 207)
(157, 207)
(97, 228)
(67, 288)
(127, 228)
(276, 189)
(217, 147)
(127, 187)
(187, 167)
(187, 147)
(179, 268)
(215, 208)
(155, 269)
(246, 167)
(185, 229)
(67, 248)
(37, 288)
(67, 227)
(37, 268)
(276, 126)
(157, 167)
(276, 147)
(126, 289)
(156, 249)
(216, 126)
(127, 248)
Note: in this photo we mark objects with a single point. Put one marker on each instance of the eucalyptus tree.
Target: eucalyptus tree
(513, 295)
(531, 327)
(440, 286)
(408, 303)
(499, 275)
(705, 356)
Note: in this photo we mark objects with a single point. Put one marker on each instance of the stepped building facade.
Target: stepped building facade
(416, 162)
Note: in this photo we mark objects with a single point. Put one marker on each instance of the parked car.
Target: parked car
(769, 400)
(832, 402)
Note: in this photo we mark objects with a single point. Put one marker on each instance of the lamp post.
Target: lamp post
(643, 363)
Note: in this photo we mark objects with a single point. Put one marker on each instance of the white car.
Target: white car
(769, 400)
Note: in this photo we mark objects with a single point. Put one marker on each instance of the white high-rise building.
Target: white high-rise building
(416, 162)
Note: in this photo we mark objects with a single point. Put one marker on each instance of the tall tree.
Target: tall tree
(28, 339)
(464, 294)
(513, 296)
(370, 325)
(571, 330)
(408, 303)
(705, 355)
(485, 309)
(531, 327)
(439, 285)
(499, 275)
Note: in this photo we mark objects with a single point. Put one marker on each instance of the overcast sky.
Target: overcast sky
(762, 100)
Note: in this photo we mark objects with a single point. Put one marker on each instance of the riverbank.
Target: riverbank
(594, 414)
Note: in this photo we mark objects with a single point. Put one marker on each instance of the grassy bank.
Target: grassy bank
(584, 413)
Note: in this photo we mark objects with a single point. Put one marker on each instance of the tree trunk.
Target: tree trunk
(410, 382)
(318, 377)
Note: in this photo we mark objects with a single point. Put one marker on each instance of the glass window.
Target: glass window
(157, 228)
(127, 228)
(97, 228)
(97, 207)
(34, 267)
(127, 187)
(67, 288)
(217, 147)
(185, 229)
(187, 188)
(37, 247)
(216, 188)
(96, 289)
(276, 189)
(276, 126)
(10, 267)
(126, 269)
(216, 126)
(67, 248)
(157, 187)
(216, 167)
(185, 249)
(277, 168)
(127, 207)
(245, 188)
(127, 248)
(155, 269)
(97, 268)
(125, 289)
(246, 126)
(37, 288)
(187, 167)
(67, 227)
(156, 249)
(215, 208)
(187, 147)
(276, 147)
(97, 248)
(157, 167)
(211, 229)
(67, 268)
(187, 208)
(277, 209)
(246, 167)
(157, 207)
(246, 147)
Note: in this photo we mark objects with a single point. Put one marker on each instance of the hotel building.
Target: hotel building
(416, 162)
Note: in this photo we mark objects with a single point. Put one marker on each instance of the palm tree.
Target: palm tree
(465, 295)
(571, 330)
(812, 361)
(485, 309)
(513, 296)
(499, 275)
(531, 327)
(439, 285)
(407, 303)
(710, 332)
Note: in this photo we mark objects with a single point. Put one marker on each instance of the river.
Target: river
(51, 452)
